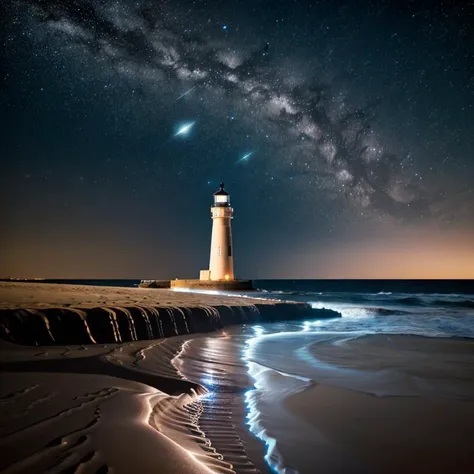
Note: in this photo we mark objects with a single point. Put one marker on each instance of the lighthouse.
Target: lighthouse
(221, 262)
(220, 274)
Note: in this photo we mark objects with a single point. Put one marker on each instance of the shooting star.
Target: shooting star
(184, 129)
(186, 93)
(245, 157)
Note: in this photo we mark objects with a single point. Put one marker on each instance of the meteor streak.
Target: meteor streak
(186, 93)
(184, 129)
(245, 157)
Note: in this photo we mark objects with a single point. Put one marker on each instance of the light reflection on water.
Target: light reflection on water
(271, 361)
(274, 355)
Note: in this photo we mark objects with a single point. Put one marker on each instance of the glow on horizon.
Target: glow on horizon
(428, 254)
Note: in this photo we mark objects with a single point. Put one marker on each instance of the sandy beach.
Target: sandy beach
(55, 418)
(46, 295)
(103, 407)
(297, 395)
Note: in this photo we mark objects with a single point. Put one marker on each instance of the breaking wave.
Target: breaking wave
(455, 304)
(381, 298)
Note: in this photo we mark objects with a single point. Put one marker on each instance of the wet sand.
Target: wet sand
(96, 409)
(424, 433)
(140, 406)
(386, 435)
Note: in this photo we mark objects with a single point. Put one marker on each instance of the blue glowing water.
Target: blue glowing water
(360, 351)
(284, 359)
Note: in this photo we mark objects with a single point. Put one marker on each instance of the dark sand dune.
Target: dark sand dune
(34, 313)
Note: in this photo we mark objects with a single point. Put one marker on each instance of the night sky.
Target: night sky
(343, 130)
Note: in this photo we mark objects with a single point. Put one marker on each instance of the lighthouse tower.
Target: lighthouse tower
(220, 274)
(221, 263)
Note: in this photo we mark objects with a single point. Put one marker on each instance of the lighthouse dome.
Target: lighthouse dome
(221, 197)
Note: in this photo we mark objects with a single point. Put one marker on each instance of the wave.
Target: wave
(417, 301)
(387, 311)
(410, 300)
(455, 304)
(386, 298)
(294, 293)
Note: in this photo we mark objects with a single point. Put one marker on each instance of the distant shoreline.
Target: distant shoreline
(461, 286)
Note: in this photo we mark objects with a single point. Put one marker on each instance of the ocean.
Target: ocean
(427, 308)
(408, 341)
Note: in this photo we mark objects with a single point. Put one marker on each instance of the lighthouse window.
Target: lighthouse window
(221, 199)
(230, 250)
(219, 251)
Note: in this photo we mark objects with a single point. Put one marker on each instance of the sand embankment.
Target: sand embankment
(49, 314)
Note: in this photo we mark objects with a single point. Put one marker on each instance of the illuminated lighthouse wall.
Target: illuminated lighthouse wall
(221, 264)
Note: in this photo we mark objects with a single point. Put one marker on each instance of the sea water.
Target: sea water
(359, 351)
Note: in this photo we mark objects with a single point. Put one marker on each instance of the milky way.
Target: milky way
(325, 137)
(320, 132)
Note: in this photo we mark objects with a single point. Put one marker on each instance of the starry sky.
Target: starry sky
(344, 132)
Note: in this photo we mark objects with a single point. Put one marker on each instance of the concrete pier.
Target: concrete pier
(224, 285)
